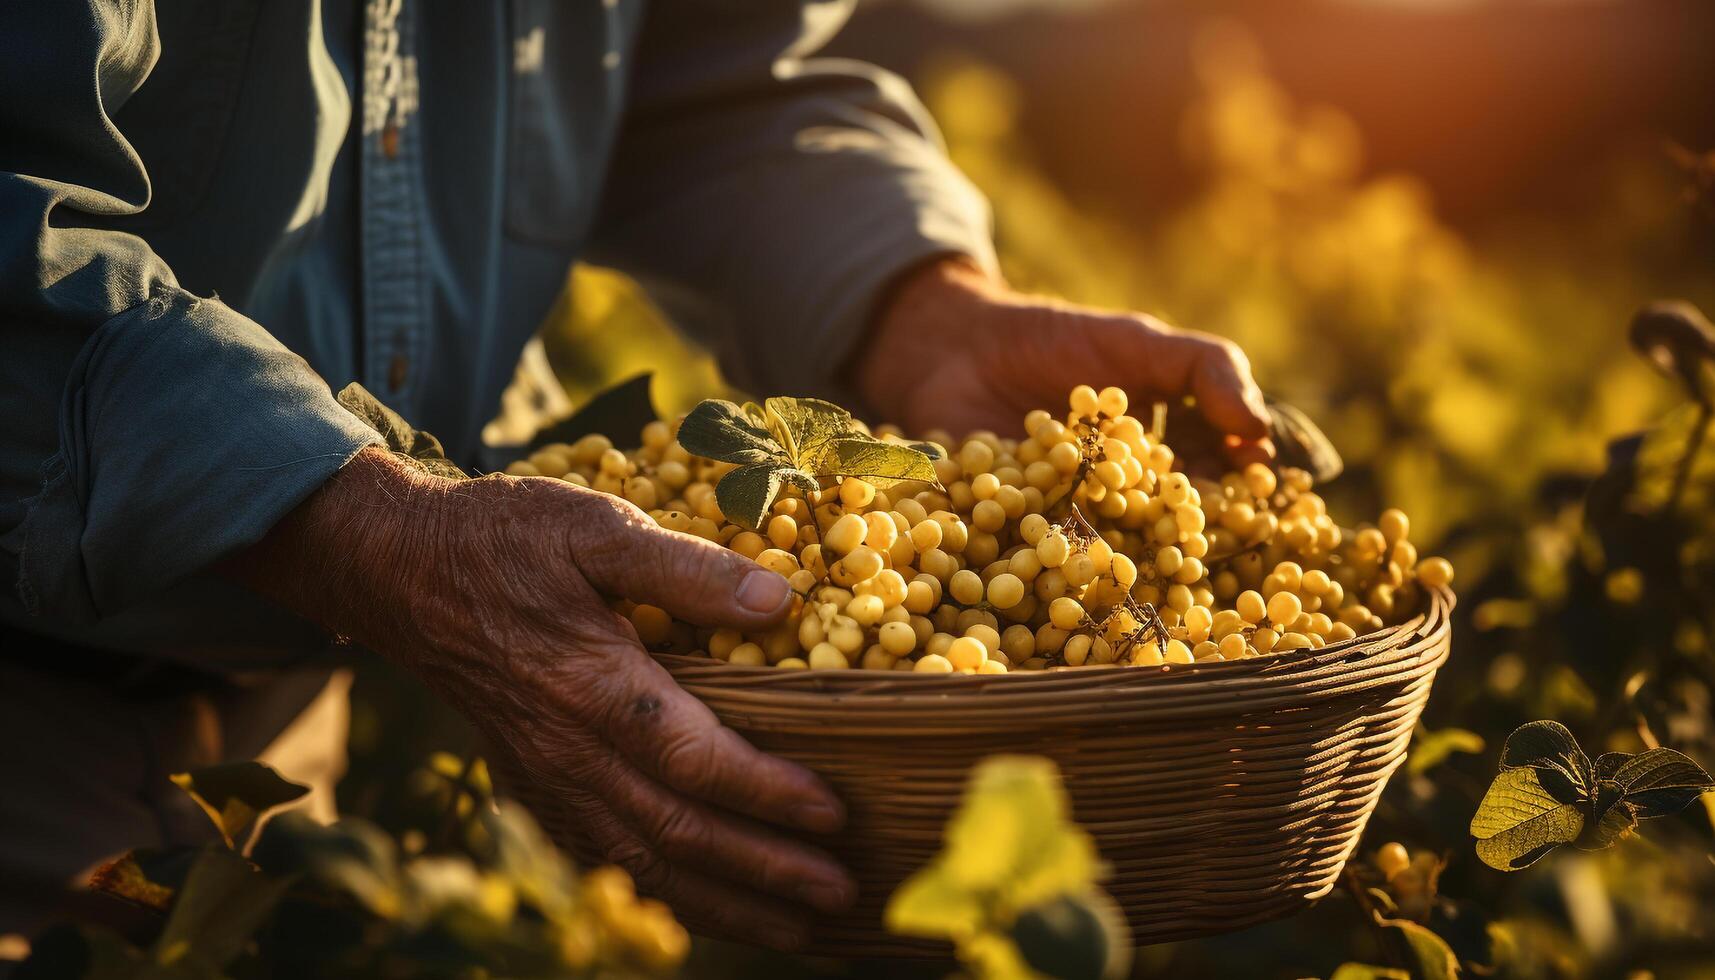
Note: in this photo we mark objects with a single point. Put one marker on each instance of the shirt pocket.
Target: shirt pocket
(178, 120)
(566, 97)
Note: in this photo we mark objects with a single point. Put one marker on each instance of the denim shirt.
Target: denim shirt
(211, 211)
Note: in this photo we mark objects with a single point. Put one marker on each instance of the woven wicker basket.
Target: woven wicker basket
(1221, 795)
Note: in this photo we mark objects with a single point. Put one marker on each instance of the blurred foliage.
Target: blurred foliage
(492, 897)
(1014, 889)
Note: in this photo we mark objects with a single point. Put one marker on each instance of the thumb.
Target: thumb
(622, 552)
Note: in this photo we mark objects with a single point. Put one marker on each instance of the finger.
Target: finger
(622, 552)
(1243, 452)
(1225, 391)
(727, 847)
(674, 737)
(1150, 358)
(710, 907)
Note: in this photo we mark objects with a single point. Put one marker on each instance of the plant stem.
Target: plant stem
(1693, 445)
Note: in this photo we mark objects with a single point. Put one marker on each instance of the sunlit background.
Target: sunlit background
(1429, 222)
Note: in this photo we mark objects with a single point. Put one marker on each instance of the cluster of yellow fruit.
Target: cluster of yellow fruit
(1079, 545)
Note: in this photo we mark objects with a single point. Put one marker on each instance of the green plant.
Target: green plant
(1549, 793)
(1014, 889)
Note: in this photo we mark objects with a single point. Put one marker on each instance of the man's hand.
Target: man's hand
(495, 592)
(956, 350)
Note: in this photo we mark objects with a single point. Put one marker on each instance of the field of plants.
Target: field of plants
(1499, 386)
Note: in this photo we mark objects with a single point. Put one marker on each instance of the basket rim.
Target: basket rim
(1219, 679)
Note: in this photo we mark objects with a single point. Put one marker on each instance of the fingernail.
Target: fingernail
(827, 897)
(819, 817)
(762, 591)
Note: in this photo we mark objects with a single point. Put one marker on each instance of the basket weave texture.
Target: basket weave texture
(1220, 795)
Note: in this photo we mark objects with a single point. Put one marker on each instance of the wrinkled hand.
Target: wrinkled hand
(955, 349)
(494, 591)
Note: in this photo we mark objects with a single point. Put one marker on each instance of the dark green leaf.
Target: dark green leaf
(805, 426)
(1610, 818)
(1299, 442)
(1430, 954)
(883, 464)
(223, 901)
(1074, 937)
(1678, 339)
(720, 430)
(352, 856)
(1657, 782)
(234, 795)
(746, 494)
(412, 445)
(625, 407)
(1549, 748)
(1519, 821)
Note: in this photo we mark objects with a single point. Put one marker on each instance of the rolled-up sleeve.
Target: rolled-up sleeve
(766, 199)
(160, 431)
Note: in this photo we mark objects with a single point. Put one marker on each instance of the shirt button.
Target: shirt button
(396, 371)
(390, 141)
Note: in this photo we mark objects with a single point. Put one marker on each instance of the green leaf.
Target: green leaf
(883, 464)
(931, 903)
(1611, 820)
(1009, 846)
(352, 856)
(1430, 749)
(1431, 955)
(1519, 821)
(223, 901)
(235, 795)
(720, 430)
(1657, 782)
(412, 445)
(1550, 749)
(805, 426)
(746, 494)
(1075, 937)
(542, 874)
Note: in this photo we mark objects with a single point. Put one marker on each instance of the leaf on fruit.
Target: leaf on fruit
(1431, 748)
(414, 446)
(805, 427)
(721, 430)
(746, 494)
(1548, 748)
(798, 441)
(883, 464)
(1519, 821)
(235, 795)
(1657, 782)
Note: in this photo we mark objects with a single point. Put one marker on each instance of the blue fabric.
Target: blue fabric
(211, 211)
